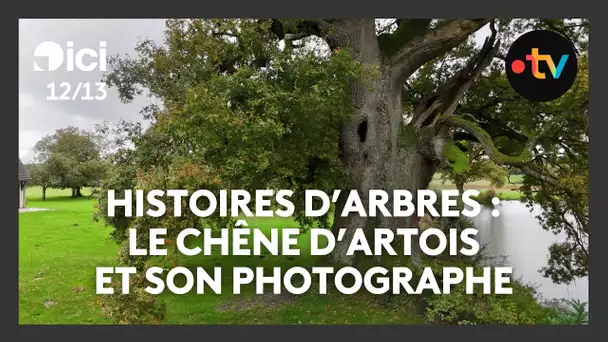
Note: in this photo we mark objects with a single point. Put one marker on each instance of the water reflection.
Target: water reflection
(517, 235)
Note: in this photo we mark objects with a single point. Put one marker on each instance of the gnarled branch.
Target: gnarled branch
(445, 102)
(488, 144)
(406, 31)
(523, 161)
(434, 43)
(290, 30)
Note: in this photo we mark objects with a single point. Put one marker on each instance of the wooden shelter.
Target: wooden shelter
(24, 177)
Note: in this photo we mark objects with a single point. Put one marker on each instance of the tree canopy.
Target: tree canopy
(69, 158)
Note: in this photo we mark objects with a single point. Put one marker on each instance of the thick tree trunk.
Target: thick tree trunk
(76, 192)
(44, 193)
(377, 149)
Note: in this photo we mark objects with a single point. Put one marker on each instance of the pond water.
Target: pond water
(517, 235)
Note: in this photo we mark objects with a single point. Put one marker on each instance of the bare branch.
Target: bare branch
(388, 27)
(445, 102)
(434, 43)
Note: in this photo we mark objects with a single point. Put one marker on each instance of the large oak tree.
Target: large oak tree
(350, 104)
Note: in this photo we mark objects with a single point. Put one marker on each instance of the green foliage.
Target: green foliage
(460, 308)
(69, 158)
(546, 141)
(458, 160)
(41, 175)
(76, 143)
(271, 124)
(136, 307)
(574, 314)
(479, 167)
(240, 112)
(485, 198)
(121, 176)
(565, 202)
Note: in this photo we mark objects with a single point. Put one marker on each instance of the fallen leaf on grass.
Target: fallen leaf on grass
(77, 289)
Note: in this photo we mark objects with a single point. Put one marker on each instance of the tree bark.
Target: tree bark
(377, 150)
(44, 193)
(459, 182)
(76, 192)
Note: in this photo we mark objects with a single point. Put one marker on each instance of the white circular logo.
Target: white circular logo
(53, 54)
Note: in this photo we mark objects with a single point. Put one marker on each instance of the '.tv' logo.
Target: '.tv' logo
(541, 65)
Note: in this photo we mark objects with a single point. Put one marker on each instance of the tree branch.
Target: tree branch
(434, 43)
(445, 102)
(488, 145)
(458, 136)
(531, 171)
(290, 30)
(388, 27)
(521, 161)
(407, 30)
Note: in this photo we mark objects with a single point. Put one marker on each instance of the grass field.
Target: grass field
(508, 192)
(59, 250)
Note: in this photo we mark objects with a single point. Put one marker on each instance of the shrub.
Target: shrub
(521, 307)
(485, 198)
(460, 308)
(137, 307)
(575, 313)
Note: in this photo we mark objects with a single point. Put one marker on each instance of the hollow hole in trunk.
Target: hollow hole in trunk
(362, 131)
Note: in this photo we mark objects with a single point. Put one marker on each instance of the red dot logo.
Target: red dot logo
(518, 66)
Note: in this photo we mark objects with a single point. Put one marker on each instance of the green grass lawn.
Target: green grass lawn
(514, 180)
(58, 253)
(60, 249)
(508, 192)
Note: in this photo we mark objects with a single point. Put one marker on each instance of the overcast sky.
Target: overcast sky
(39, 116)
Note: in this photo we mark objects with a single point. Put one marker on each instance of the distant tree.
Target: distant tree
(69, 158)
(78, 144)
(471, 165)
(40, 177)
